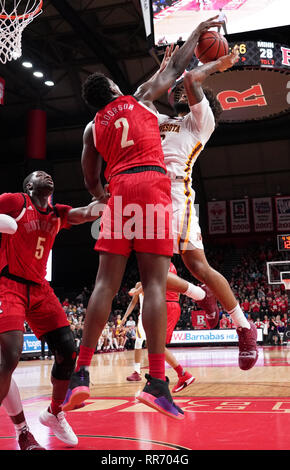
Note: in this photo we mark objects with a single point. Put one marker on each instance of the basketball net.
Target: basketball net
(286, 283)
(15, 15)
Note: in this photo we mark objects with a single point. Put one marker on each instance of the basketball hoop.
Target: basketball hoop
(15, 15)
(286, 283)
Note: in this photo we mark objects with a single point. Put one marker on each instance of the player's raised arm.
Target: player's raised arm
(130, 309)
(179, 60)
(91, 162)
(194, 79)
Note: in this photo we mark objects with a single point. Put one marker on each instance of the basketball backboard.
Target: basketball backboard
(277, 271)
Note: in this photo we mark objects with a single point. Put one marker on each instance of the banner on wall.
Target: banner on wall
(208, 336)
(31, 344)
(198, 319)
(263, 214)
(240, 219)
(2, 90)
(217, 217)
(283, 213)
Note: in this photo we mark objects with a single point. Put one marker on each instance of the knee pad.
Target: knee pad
(61, 342)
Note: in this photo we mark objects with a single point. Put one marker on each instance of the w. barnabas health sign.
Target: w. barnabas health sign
(207, 336)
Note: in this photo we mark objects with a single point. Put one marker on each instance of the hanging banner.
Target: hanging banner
(198, 319)
(240, 220)
(2, 90)
(217, 217)
(263, 214)
(283, 213)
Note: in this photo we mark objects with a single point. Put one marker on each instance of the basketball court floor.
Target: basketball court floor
(225, 408)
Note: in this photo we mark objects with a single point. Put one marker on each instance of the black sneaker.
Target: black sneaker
(78, 390)
(156, 394)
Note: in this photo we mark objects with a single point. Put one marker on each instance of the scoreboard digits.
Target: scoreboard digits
(283, 242)
(263, 53)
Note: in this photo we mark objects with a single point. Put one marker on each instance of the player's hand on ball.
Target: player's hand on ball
(206, 25)
(227, 61)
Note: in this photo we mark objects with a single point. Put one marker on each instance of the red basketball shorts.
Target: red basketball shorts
(173, 315)
(138, 215)
(37, 304)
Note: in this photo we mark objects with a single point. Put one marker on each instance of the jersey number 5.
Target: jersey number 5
(124, 140)
(39, 248)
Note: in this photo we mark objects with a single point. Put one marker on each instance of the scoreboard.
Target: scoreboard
(283, 242)
(262, 53)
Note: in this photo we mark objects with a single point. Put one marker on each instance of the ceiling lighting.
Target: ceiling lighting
(38, 74)
(49, 83)
(27, 64)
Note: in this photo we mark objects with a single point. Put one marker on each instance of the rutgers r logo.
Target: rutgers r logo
(231, 99)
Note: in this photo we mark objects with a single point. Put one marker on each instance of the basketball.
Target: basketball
(211, 46)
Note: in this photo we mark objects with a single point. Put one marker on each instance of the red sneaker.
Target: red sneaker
(26, 441)
(209, 304)
(135, 377)
(248, 351)
(183, 382)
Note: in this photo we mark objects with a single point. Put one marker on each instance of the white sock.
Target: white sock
(137, 367)
(238, 317)
(194, 292)
(12, 401)
(19, 428)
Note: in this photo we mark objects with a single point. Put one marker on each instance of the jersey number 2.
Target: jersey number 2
(124, 140)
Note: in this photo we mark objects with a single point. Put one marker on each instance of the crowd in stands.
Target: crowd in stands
(264, 304)
(159, 5)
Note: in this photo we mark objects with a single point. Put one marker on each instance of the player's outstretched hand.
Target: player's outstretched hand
(170, 51)
(206, 25)
(96, 207)
(227, 61)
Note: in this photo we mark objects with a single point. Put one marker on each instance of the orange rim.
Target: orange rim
(22, 17)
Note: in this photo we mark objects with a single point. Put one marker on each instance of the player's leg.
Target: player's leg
(13, 296)
(11, 344)
(140, 337)
(48, 321)
(196, 262)
(62, 344)
(177, 284)
(184, 377)
(153, 273)
(13, 406)
(110, 274)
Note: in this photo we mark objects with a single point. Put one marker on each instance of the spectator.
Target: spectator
(131, 337)
(130, 322)
(224, 322)
(273, 338)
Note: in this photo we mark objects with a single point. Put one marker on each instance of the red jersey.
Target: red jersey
(172, 296)
(126, 134)
(26, 252)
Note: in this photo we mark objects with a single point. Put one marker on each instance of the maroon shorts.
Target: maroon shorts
(35, 303)
(138, 215)
(173, 315)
